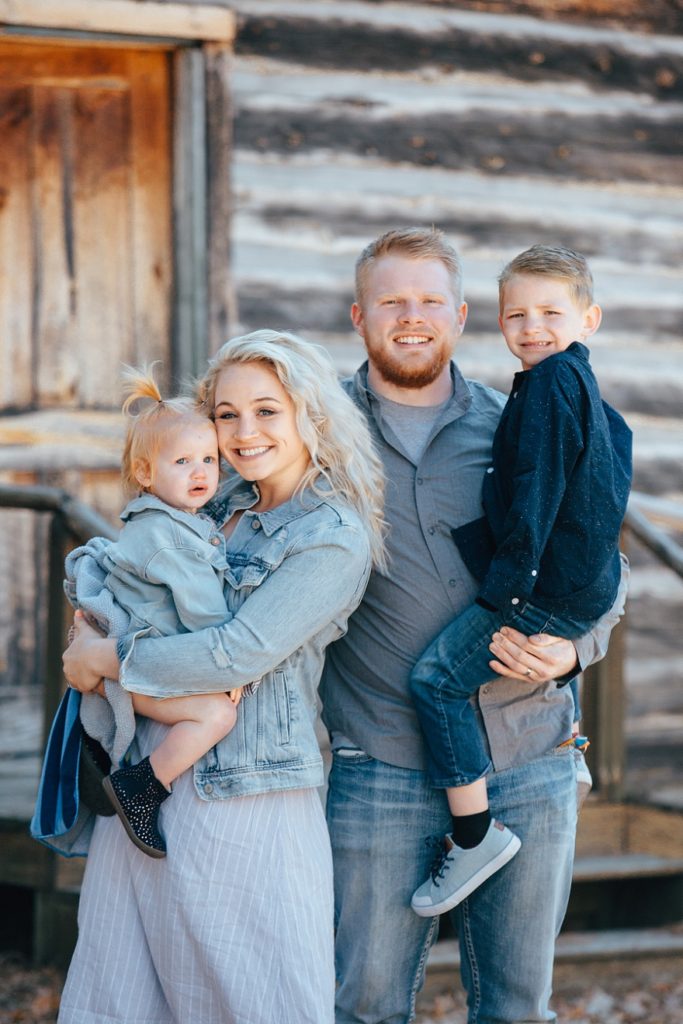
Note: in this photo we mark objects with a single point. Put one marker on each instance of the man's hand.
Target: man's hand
(536, 659)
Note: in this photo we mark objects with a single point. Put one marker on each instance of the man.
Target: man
(434, 431)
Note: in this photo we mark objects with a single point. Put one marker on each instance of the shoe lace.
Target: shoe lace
(440, 857)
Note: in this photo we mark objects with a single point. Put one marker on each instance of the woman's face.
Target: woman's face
(257, 432)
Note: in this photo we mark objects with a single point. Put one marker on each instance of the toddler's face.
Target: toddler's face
(185, 471)
(539, 317)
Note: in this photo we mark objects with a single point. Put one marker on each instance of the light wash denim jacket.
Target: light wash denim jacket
(167, 567)
(294, 574)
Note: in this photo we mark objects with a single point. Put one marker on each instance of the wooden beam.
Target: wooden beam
(126, 17)
(190, 314)
(219, 119)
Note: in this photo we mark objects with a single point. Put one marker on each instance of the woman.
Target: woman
(235, 925)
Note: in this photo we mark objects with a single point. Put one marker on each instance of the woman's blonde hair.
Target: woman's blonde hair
(344, 463)
(148, 427)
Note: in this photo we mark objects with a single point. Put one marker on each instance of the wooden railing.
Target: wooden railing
(603, 690)
(603, 697)
(72, 522)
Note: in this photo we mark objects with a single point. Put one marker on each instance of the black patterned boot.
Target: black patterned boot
(136, 795)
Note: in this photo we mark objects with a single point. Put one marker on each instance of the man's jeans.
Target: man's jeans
(451, 671)
(384, 823)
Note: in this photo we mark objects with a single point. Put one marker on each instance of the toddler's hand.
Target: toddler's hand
(235, 695)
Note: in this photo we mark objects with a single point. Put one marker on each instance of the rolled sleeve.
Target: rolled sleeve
(593, 646)
(320, 581)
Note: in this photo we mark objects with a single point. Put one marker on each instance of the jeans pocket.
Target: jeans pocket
(351, 756)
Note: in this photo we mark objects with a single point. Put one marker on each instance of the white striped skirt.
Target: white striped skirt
(234, 926)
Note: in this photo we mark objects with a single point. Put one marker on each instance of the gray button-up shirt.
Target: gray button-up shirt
(365, 683)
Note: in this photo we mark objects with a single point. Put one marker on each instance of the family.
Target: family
(431, 562)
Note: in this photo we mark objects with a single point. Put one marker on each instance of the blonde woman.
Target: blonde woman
(235, 924)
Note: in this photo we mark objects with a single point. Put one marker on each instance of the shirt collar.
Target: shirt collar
(198, 521)
(460, 400)
(239, 495)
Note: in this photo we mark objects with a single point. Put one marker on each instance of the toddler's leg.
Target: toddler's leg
(138, 791)
(198, 723)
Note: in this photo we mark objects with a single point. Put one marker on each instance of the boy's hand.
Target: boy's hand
(536, 659)
(235, 695)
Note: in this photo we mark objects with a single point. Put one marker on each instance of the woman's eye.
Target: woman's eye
(225, 416)
(266, 412)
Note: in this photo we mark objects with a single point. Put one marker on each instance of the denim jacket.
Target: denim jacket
(294, 574)
(167, 567)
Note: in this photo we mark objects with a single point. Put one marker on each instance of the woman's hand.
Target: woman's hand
(89, 656)
(536, 659)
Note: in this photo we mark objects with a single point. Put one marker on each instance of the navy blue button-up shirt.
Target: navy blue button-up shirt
(557, 495)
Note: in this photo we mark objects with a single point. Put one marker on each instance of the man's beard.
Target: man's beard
(405, 376)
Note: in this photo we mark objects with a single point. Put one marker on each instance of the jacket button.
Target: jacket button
(534, 573)
(515, 600)
(490, 469)
(255, 524)
(208, 787)
(215, 541)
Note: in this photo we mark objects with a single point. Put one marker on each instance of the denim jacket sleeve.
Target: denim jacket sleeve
(319, 581)
(196, 587)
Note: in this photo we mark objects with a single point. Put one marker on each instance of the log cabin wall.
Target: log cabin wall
(504, 123)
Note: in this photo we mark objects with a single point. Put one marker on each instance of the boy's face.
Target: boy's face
(184, 473)
(539, 317)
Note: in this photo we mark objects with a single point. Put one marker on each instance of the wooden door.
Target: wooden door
(85, 220)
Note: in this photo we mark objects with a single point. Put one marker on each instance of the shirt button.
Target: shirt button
(431, 531)
(215, 541)
(485, 689)
(255, 524)
(452, 583)
(490, 469)
(534, 573)
(514, 394)
(419, 479)
(515, 600)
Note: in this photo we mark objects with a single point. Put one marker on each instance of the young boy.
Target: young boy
(546, 550)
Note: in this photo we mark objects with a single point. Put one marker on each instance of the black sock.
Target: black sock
(470, 829)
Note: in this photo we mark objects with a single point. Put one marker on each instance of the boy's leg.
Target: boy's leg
(385, 824)
(198, 723)
(508, 927)
(444, 679)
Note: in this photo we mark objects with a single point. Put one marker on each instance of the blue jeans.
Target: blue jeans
(385, 823)
(451, 671)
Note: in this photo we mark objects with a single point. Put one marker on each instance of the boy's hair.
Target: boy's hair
(148, 427)
(552, 261)
(418, 243)
(334, 431)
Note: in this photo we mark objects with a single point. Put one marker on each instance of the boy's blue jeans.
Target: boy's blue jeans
(450, 672)
(385, 824)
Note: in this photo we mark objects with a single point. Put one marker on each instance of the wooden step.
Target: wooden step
(625, 866)
(582, 947)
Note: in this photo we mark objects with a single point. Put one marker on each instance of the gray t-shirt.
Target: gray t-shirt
(365, 683)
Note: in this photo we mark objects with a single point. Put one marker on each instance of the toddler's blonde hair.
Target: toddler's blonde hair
(148, 426)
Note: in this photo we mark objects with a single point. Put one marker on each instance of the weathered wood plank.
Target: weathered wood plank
(151, 255)
(198, 21)
(101, 228)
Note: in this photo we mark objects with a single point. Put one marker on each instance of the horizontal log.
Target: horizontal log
(553, 144)
(80, 520)
(127, 17)
(331, 42)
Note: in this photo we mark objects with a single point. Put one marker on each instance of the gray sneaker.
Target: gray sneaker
(459, 872)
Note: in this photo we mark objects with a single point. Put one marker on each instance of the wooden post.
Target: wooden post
(56, 622)
(221, 294)
(190, 314)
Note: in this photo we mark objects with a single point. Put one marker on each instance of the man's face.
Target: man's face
(409, 319)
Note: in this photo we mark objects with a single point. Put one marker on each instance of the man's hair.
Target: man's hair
(552, 261)
(418, 244)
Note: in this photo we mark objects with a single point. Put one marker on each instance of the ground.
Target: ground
(631, 992)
